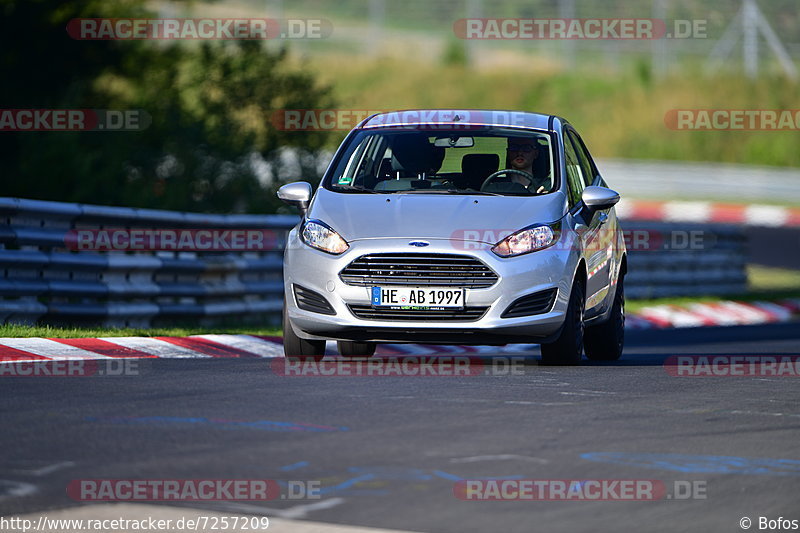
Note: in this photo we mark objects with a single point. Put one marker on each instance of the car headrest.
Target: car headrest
(412, 154)
(385, 171)
(437, 157)
(475, 168)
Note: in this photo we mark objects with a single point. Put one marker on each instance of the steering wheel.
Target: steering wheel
(494, 175)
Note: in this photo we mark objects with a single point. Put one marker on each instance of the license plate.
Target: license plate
(418, 297)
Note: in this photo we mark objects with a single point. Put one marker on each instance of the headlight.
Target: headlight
(526, 240)
(320, 236)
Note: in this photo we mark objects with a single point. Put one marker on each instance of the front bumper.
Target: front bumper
(518, 276)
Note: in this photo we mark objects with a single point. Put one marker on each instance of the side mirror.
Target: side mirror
(297, 194)
(599, 198)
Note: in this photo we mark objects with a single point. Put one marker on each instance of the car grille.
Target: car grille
(466, 314)
(532, 304)
(418, 270)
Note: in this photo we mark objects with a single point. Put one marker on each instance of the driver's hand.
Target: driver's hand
(540, 190)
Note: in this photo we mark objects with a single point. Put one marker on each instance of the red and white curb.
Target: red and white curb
(196, 346)
(709, 212)
(15, 350)
(723, 313)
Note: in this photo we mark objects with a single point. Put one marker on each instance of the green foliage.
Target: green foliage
(455, 54)
(51, 332)
(644, 72)
(211, 145)
(619, 115)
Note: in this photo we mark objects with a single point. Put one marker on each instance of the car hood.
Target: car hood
(433, 216)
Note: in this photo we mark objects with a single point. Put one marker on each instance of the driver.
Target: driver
(522, 152)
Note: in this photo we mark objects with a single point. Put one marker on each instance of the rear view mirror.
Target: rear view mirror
(297, 194)
(599, 198)
(454, 142)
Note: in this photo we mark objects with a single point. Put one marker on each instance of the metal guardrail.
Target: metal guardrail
(45, 281)
(714, 264)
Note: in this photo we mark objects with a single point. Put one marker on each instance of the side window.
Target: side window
(574, 177)
(587, 166)
(361, 160)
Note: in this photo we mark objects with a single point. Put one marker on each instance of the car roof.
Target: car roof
(460, 118)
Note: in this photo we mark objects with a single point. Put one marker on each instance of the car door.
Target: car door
(612, 235)
(597, 239)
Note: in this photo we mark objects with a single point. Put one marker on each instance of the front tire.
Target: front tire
(296, 347)
(604, 342)
(356, 349)
(567, 349)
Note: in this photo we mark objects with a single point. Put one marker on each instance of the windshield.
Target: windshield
(493, 161)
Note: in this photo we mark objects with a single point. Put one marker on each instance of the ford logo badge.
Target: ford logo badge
(419, 244)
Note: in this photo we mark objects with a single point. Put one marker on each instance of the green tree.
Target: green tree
(210, 138)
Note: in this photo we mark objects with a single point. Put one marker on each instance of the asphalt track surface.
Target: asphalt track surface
(393, 447)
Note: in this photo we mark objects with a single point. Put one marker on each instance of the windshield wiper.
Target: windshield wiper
(419, 191)
(482, 193)
(450, 191)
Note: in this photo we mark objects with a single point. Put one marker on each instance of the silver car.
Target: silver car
(457, 227)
